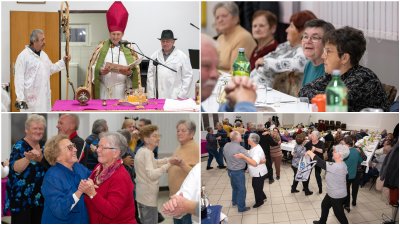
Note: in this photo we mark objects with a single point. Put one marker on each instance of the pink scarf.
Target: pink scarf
(99, 174)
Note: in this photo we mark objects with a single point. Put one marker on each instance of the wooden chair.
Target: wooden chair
(391, 92)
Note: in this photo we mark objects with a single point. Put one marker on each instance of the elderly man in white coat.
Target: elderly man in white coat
(173, 85)
(32, 75)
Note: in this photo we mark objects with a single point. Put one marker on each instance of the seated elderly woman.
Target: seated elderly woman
(263, 29)
(63, 202)
(335, 184)
(232, 35)
(313, 48)
(343, 50)
(109, 191)
(148, 172)
(27, 167)
(288, 56)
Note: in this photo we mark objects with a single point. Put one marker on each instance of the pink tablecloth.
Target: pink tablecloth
(203, 148)
(3, 196)
(96, 104)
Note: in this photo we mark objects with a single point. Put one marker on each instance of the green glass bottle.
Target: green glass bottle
(241, 66)
(336, 94)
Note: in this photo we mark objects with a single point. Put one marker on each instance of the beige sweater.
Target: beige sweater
(229, 44)
(190, 154)
(148, 172)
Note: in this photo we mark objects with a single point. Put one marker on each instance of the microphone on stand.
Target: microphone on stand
(125, 42)
(194, 26)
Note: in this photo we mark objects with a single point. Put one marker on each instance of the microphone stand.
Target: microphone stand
(155, 63)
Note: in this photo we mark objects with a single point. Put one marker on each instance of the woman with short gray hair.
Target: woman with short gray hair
(109, 191)
(28, 167)
(335, 183)
(317, 147)
(258, 172)
(188, 153)
(232, 35)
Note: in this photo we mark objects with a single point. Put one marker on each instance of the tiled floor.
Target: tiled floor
(285, 207)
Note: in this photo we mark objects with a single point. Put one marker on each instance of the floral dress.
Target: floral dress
(23, 189)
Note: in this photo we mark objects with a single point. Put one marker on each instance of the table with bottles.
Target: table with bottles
(369, 144)
(267, 99)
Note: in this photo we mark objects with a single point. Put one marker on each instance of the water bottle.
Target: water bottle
(241, 66)
(204, 202)
(336, 94)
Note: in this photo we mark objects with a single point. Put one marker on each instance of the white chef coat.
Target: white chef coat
(171, 84)
(113, 85)
(257, 154)
(32, 79)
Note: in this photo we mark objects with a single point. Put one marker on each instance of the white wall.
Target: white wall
(145, 23)
(354, 121)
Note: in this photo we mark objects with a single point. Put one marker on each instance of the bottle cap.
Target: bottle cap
(336, 72)
(241, 49)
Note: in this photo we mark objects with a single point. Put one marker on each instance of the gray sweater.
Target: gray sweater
(335, 177)
(233, 163)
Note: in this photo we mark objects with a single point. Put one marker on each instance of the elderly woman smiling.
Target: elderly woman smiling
(343, 51)
(27, 169)
(63, 201)
(188, 152)
(288, 56)
(109, 191)
(148, 172)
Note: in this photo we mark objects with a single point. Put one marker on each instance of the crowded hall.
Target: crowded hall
(300, 56)
(300, 168)
(97, 168)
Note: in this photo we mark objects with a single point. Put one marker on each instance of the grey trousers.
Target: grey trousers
(148, 214)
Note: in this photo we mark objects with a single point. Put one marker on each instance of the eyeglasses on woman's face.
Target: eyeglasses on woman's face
(71, 147)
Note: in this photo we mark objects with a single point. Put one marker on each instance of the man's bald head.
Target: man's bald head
(209, 64)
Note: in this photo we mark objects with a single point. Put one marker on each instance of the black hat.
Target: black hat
(167, 34)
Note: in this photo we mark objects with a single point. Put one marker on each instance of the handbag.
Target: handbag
(304, 168)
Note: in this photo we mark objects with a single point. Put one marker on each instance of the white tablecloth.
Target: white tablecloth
(181, 105)
(288, 146)
(266, 100)
(369, 150)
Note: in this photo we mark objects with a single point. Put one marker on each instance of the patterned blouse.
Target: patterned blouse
(364, 89)
(298, 152)
(23, 190)
(284, 59)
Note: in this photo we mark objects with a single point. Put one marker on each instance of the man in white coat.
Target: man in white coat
(173, 85)
(33, 69)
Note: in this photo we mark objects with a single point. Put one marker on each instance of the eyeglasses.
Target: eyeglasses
(313, 38)
(103, 147)
(71, 147)
(328, 51)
